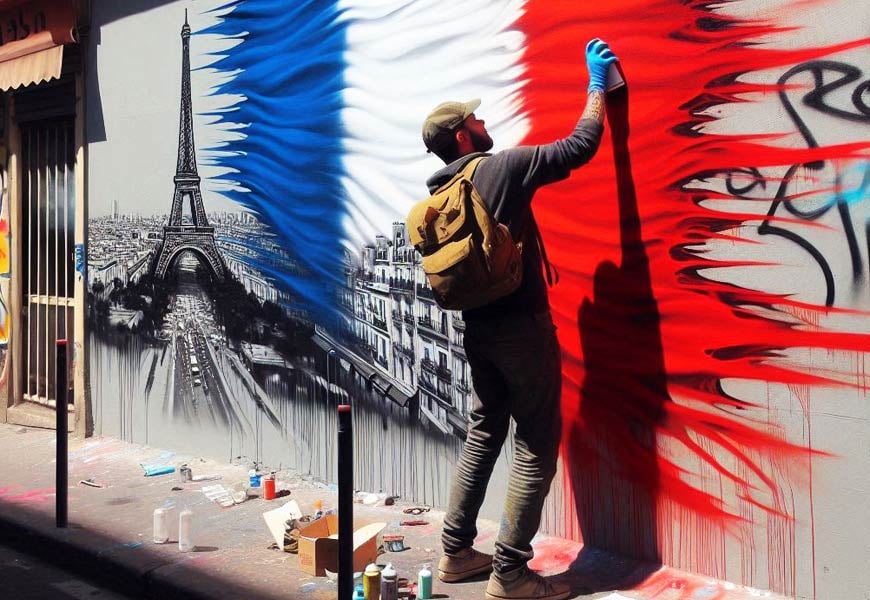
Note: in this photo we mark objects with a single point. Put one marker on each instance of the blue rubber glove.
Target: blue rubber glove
(599, 57)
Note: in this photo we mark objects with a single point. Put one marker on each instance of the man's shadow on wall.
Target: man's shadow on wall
(611, 444)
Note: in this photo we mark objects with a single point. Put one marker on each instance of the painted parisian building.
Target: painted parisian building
(394, 321)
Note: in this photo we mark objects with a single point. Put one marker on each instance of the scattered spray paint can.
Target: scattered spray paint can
(424, 583)
(161, 526)
(389, 583)
(269, 486)
(371, 582)
(185, 473)
(185, 530)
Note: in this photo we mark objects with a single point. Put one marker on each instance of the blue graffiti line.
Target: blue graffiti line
(286, 168)
(80, 262)
(861, 191)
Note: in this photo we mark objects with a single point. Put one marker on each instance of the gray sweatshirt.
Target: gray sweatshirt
(507, 181)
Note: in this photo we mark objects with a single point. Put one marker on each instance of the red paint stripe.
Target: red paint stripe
(639, 324)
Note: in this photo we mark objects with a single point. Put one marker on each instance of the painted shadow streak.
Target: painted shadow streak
(611, 445)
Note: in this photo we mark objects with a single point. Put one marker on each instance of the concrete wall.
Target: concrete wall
(713, 299)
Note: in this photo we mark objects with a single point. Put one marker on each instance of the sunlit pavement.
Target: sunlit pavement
(109, 537)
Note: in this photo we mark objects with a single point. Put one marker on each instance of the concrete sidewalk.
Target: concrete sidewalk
(109, 536)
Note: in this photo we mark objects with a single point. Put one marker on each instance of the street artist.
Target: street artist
(511, 343)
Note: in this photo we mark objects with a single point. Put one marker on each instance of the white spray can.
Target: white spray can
(161, 526)
(185, 530)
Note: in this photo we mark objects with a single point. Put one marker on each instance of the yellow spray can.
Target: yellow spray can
(372, 582)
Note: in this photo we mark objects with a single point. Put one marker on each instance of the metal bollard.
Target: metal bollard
(345, 502)
(61, 478)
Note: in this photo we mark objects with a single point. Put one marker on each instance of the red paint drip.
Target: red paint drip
(640, 326)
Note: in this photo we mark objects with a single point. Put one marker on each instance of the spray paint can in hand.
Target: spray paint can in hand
(424, 583)
(371, 582)
(389, 583)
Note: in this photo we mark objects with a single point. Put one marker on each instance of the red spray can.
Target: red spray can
(269, 487)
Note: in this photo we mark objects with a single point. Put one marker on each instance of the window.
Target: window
(48, 210)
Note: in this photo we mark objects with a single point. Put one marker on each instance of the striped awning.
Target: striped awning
(33, 35)
(37, 67)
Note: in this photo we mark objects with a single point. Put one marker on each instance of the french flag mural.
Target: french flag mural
(714, 286)
(329, 99)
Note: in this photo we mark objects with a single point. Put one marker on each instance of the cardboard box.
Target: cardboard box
(276, 518)
(318, 546)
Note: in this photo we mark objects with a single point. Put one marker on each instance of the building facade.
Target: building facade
(392, 320)
(43, 210)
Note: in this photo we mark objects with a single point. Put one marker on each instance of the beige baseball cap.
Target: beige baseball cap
(444, 119)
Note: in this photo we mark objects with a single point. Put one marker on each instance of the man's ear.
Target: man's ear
(461, 135)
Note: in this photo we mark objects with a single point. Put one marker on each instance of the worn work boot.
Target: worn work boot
(524, 584)
(468, 563)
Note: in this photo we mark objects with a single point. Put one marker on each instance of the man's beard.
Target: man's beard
(481, 142)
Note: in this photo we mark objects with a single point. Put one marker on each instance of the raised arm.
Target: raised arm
(540, 165)
(594, 107)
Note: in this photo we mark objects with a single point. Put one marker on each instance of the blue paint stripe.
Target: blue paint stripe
(291, 65)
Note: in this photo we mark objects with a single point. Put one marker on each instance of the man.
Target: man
(511, 344)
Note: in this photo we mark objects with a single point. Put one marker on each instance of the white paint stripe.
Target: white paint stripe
(211, 134)
(404, 57)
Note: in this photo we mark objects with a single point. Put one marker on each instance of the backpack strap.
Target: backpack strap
(471, 166)
(467, 171)
(483, 216)
(424, 215)
(549, 270)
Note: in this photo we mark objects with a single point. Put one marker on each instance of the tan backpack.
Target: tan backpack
(469, 257)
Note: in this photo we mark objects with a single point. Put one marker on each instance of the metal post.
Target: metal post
(61, 384)
(345, 502)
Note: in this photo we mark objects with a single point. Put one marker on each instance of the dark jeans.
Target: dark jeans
(516, 371)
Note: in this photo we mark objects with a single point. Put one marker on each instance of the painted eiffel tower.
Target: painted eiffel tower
(178, 236)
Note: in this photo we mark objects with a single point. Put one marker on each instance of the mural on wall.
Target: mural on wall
(713, 258)
(211, 330)
(4, 269)
(4, 266)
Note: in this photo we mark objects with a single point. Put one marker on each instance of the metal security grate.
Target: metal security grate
(48, 197)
